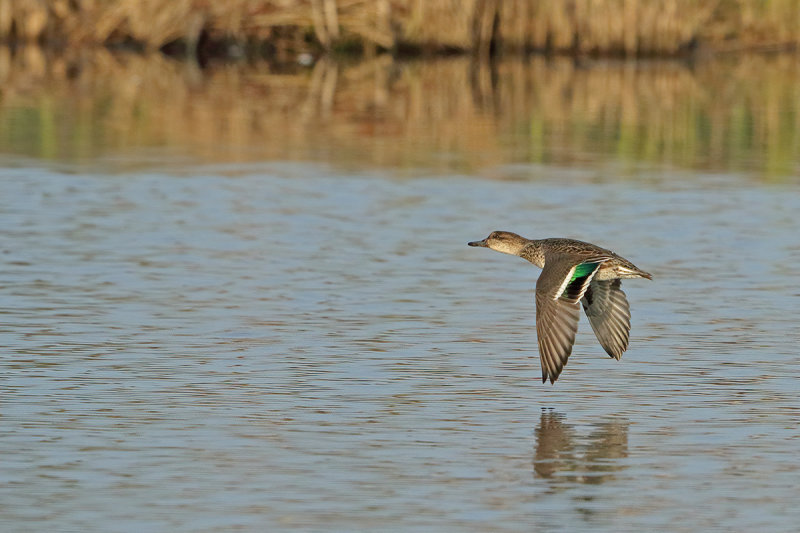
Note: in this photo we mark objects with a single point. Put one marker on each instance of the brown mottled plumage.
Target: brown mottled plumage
(573, 271)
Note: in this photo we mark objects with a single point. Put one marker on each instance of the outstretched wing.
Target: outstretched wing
(560, 287)
(609, 315)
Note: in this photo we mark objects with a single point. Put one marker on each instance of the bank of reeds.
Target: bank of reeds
(734, 114)
(629, 27)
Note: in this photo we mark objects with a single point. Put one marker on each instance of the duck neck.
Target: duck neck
(534, 253)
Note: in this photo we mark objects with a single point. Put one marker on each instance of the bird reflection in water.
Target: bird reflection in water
(564, 454)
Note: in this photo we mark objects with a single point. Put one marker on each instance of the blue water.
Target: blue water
(292, 347)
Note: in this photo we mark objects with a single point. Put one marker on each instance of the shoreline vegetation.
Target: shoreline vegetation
(284, 30)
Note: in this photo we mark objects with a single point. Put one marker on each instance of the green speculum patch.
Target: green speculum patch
(579, 277)
(583, 270)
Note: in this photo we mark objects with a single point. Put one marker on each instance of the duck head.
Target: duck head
(502, 241)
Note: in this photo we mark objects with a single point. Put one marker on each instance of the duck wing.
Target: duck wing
(609, 314)
(561, 285)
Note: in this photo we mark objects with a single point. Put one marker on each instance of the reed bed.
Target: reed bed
(627, 27)
(737, 114)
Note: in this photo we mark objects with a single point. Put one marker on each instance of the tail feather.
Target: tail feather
(633, 272)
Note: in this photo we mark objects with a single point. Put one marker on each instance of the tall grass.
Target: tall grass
(630, 27)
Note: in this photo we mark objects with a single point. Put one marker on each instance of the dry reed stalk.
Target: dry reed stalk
(437, 24)
(771, 23)
(603, 26)
(630, 27)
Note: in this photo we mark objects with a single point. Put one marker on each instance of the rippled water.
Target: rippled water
(288, 347)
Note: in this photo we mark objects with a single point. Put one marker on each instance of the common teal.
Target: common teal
(573, 271)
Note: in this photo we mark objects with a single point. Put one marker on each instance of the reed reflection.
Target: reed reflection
(564, 455)
(720, 115)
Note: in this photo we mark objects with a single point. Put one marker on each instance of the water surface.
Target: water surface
(293, 347)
